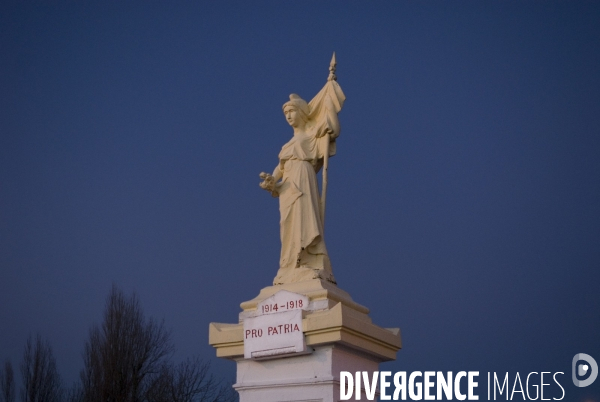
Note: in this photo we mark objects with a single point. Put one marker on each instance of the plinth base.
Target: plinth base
(339, 336)
(307, 378)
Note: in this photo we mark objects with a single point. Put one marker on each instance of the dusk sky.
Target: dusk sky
(463, 203)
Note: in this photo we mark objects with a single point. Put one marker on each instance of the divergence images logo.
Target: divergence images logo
(583, 369)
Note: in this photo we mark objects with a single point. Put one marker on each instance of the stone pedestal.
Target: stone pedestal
(338, 335)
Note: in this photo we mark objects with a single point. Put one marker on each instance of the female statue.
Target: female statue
(294, 180)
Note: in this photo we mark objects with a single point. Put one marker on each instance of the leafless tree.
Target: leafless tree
(189, 381)
(7, 383)
(74, 394)
(127, 359)
(122, 356)
(41, 381)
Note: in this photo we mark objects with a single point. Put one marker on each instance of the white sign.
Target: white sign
(278, 331)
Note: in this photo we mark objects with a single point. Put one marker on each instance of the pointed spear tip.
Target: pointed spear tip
(332, 65)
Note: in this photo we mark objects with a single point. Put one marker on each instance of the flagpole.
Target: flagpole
(331, 77)
(324, 191)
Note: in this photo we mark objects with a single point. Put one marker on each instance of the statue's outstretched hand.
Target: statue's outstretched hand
(268, 182)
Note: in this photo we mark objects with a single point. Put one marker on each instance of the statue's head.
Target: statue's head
(296, 111)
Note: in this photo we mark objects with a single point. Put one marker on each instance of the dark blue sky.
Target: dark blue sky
(463, 203)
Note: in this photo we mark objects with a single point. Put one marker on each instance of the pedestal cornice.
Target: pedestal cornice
(339, 324)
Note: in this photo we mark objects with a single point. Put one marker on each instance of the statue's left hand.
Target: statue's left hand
(268, 182)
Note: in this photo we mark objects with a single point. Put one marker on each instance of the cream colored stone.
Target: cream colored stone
(337, 333)
(321, 295)
(339, 324)
(316, 126)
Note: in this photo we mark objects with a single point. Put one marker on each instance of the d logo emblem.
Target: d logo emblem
(583, 369)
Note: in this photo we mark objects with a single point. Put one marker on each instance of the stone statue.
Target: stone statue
(294, 181)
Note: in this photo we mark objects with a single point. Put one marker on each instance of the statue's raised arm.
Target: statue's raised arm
(294, 180)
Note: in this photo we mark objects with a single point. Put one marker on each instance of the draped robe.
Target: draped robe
(303, 252)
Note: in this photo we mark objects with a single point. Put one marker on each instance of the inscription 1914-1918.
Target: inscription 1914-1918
(288, 305)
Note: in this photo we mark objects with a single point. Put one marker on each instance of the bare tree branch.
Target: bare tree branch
(189, 381)
(74, 394)
(41, 382)
(127, 359)
(7, 383)
(122, 354)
